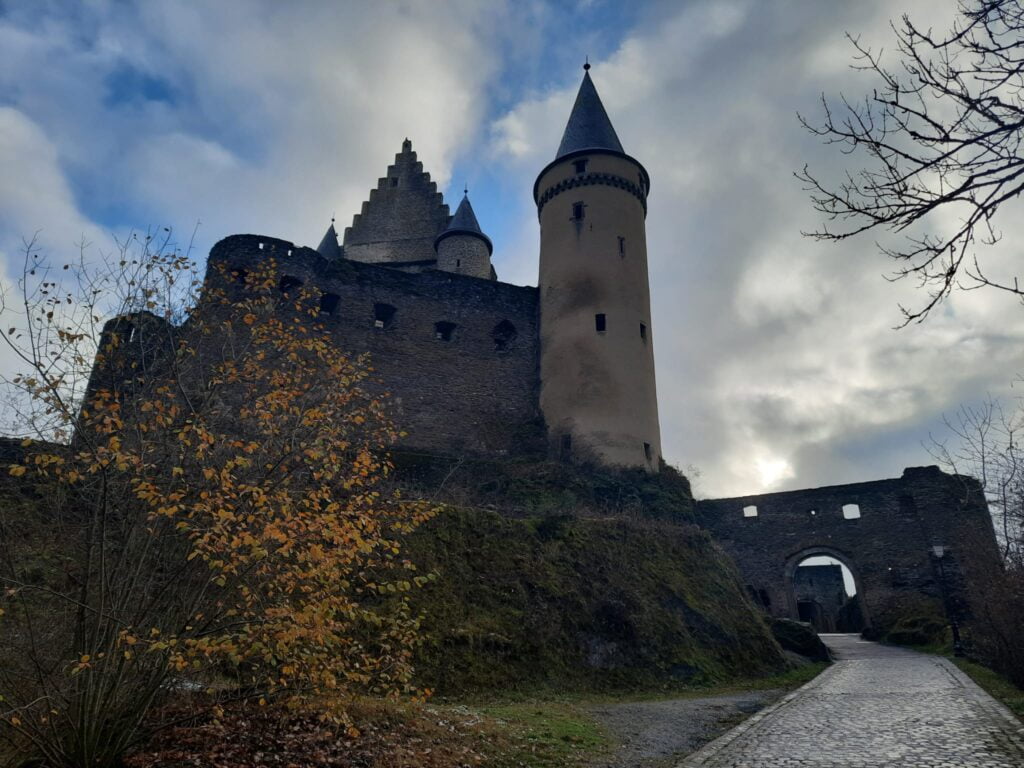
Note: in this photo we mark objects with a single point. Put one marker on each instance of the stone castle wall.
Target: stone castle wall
(888, 546)
(471, 388)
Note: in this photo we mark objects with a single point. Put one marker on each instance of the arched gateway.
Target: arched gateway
(885, 532)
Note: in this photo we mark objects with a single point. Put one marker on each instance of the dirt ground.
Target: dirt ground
(654, 734)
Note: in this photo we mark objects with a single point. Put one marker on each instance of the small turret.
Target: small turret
(329, 247)
(462, 247)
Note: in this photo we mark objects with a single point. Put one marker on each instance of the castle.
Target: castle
(477, 366)
(480, 368)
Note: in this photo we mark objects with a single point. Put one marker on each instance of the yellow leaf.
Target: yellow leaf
(17, 470)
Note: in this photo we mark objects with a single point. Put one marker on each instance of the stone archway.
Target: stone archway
(790, 572)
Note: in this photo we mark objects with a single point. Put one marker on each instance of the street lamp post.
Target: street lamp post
(939, 551)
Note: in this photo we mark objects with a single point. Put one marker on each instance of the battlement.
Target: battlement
(885, 531)
(458, 354)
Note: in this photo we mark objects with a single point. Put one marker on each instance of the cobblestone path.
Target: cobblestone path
(876, 706)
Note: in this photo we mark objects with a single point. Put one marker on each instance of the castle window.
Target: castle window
(289, 283)
(383, 314)
(851, 511)
(565, 447)
(238, 275)
(600, 323)
(444, 331)
(458, 263)
(577, 211)
(329, 303)
(643, 332)
(750, 511)
(394, 181)
(504, 334)
(647, 451)
(580, 165)
(622, 246)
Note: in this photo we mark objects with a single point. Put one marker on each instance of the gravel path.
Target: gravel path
(876, 707)
(659, 733)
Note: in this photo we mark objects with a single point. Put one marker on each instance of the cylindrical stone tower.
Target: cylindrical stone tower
(462, 247)
(597, 347)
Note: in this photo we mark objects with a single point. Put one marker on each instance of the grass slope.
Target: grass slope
(583, 602)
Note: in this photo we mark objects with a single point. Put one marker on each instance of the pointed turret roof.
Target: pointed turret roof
(588, 126)
(464, 223)
(590, 132)
(329, 247)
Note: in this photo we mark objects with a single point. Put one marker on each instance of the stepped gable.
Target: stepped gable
(401, 219)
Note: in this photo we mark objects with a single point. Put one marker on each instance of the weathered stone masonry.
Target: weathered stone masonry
(474, 392)
(888, 548)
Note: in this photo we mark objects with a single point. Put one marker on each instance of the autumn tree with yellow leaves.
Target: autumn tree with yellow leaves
(211, 512)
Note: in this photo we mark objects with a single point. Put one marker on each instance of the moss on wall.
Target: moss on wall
(590, 603)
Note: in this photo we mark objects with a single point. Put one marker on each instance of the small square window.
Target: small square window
(329, 303)
(444, 331)
(580, 165)
(600, 323)
(394, 181)
(750, 511)
(383, 314)
(577, 211)
(851, 511)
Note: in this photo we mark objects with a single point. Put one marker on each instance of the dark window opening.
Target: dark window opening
(600, 323)
(238, 275)
(647, 451)
(577, 211)
(622, 246)
(329, 303)
(580, 165)
(504, 334)
(289, 283)
(458, 263)
(765, 600)
(643, 331)
(383, 314)
(444, 330)
(394, 181)
(565, 448)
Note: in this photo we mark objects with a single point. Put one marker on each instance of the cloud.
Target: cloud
(778, 365)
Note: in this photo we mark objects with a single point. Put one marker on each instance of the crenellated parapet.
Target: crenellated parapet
(457, 354)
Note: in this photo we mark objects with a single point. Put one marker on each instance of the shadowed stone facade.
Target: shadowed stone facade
(471, 389)
(888, 547)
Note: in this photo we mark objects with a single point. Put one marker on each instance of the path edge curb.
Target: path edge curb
(712, 748)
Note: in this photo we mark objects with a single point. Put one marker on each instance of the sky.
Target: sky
(778, 361)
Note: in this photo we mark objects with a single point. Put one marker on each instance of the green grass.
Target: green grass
(996, 685)
(548, 733)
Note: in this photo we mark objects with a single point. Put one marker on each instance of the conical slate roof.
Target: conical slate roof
(329, 247)
(464, 223)
(588, 126)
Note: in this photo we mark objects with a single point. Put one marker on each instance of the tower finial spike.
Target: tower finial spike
(465, 189)
(586, 64)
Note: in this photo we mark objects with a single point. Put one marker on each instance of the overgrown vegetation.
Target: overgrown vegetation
(210, 515)
(589, 603)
